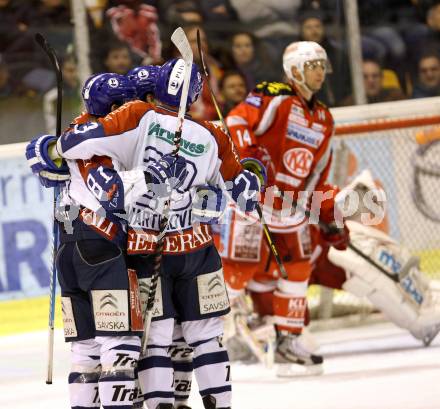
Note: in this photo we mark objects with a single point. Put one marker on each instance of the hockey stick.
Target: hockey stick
(181, 42)
(267, 233)
(50, 52)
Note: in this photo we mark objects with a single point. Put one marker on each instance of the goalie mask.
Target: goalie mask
(301, 53)
(170, 80)
(101, 91)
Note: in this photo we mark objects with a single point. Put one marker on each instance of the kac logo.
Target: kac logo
(298, 161)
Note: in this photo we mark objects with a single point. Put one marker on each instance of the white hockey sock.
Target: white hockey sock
(182, 359)
(119, 356)
(212, 371)
(84, 375)
(155, 372)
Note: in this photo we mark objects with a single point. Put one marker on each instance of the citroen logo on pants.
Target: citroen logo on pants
(108, 299)
(214, 282)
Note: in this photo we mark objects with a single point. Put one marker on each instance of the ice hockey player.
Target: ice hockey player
(144, 79)
(91, 264)
(407, 297)
(286, 127)
(192, 280)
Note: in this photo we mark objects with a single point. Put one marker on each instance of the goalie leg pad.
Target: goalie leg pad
(119, 357)
(385, 294)
(84, 374)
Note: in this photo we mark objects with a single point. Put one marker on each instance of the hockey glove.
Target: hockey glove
(257, 168)
(244, 190)
(51, 174)
(337, 237)
(208, 205)
(168, 173)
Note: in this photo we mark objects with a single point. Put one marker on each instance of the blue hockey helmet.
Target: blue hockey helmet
(169, 83)
(101, 91)
(144, 79)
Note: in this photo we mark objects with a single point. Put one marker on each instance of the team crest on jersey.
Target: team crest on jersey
(253, 100)
(298, 161)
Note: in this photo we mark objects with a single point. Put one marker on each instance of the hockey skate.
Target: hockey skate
(209, 402)
(294, 356)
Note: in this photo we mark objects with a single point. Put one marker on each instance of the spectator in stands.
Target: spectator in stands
(52, 18)
(272, 21)
(6, 89)
(250, 59)
(423, 39)
(337, 85)
(217, 11)
(380, 39)
(14, 34)
(329, 8)
(180, 12)
(71, 96)
(203, 107)
(233, 90)
(428, 84)
(118, 58)
(136, 24)
(45, 14)
(374, 89)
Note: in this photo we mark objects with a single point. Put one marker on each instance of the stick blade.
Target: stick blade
(181, 42)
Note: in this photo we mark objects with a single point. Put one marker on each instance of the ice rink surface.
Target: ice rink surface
(372, 367)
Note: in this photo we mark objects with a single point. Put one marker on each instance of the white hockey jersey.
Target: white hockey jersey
(138, 133)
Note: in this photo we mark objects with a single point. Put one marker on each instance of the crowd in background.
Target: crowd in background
(243, 41)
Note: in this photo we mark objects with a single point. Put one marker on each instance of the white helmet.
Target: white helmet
(298, 53)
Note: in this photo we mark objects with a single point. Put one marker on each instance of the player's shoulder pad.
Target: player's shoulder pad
(126, 117)
(274, 88)
(82, 118)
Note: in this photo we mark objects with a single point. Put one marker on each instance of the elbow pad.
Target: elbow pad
(245, 190)
(107, 186)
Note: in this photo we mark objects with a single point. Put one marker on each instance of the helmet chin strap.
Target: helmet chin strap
(302, 85)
